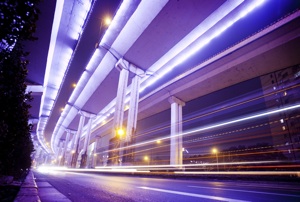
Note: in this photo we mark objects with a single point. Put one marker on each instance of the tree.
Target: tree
(17, 24)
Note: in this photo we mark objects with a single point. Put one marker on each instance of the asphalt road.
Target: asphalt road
(96, 187)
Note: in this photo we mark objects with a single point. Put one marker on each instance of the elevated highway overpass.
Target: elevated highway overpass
(178, 50)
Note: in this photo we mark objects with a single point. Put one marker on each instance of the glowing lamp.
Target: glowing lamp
(120, 132)
(214, 150)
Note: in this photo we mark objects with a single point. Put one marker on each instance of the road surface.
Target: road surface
(97, 187)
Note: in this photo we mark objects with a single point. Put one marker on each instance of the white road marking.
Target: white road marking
(192, 194)
(239, 190)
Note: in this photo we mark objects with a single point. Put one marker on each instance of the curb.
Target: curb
(28, 191)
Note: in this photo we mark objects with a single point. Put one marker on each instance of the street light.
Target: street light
(120, 132)
(215, 151)
(146, 158)
(107, 21)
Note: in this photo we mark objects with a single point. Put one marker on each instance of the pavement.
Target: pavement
(33, 190)
(39, 190)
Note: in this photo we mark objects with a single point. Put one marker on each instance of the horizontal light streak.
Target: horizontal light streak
(246, 191)
(238, 172)
(243, 119)
(185, 166)
(249, 117)
(217, 198)
(53, 169)
(176, 169)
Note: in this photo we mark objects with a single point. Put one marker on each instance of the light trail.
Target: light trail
(201, 129)
(179, 170)
(258, 173)
(242, 119)
(230, 106)
(244, 102)
(218, 198)
(185, 166)
(246, 191)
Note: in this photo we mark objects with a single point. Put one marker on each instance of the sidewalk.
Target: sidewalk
(33, 190)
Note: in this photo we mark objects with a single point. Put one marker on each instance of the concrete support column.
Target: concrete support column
(122, 66)
(83, 163)
(38, 156)
(94, 157)
(60, 152)
(176, 130)
(132, 117)
(64, 156)
(120, 100)
(125, 67)
(46, 159)
(72, 151)
(133, 108)
(76, 141)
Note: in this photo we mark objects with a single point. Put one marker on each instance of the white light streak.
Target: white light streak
(178, 169)
(218, 198)
(237, 172)
(246, 191)
(243, 119)
(249, 117)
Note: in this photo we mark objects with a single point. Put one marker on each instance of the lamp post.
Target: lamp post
(215, 151)
(105, 22)
(120, 133)
(147, 159)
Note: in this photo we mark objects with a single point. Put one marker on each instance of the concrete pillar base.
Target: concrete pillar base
(74, 160)
(83, 161)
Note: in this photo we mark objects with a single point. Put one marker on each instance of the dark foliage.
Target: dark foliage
(17, 24)
(8, 193)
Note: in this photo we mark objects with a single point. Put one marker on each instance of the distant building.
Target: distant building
(282, 89)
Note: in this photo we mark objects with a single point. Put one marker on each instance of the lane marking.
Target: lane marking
(239, 190)
(192, 194)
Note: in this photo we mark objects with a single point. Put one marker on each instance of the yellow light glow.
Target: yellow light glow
(146, 158)
(120, 132)
(158, 141)
(74, 85)
(126, 107)
(107, 21)
(214, 150)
